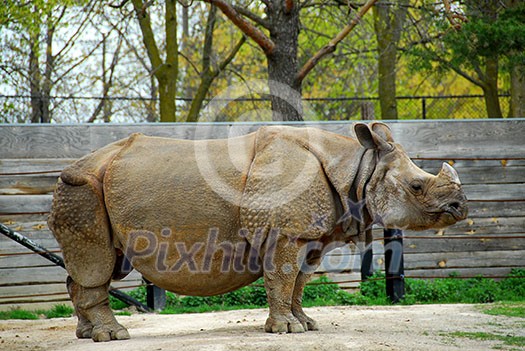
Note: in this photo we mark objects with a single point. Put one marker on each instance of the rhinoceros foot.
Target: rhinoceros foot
(283, 324)
(109, 332)
(84, 329)
(307, 322)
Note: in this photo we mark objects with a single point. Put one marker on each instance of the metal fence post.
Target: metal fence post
(367, 266)
(394, 264)
(155, 296)
(424, 107)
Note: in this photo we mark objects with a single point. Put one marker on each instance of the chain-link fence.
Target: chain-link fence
(66, 109)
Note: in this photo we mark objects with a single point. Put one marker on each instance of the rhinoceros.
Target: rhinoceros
(207, 217)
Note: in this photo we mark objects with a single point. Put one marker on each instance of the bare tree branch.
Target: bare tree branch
(453, 16)
(208, 38)
(107, 85)
(148, 36)
(265, 43)
(195, 68)
(119, 6)
(231, 55)
(331, 46)
(249, 14)
(72, 39)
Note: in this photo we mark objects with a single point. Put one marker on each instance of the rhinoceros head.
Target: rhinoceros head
(401, 195)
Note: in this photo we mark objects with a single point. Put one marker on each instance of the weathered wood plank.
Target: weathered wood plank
(23, 165)
(491, 192)
(435, 164)
(462, 272)
(334, 263)
(441, 139)
(496, 209)
(44, 141)
(28, 184)
(462, 245)
(6, 292)
(461, 139)
(30, 291)
(17, 218)
(32, 275)
(491, 225)
(25, 203)
(474, 259)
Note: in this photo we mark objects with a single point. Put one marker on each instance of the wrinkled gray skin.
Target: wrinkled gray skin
(208, 217)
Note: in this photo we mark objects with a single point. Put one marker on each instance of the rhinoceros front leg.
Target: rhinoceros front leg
(280, 277)
(297, 301)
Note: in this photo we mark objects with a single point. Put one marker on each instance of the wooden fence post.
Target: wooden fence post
(394, 265)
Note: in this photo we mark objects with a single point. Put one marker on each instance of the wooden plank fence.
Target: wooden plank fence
(488, 154)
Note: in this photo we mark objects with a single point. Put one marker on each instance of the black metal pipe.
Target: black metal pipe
(42, 251)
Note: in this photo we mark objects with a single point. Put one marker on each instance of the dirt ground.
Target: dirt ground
(420, 327)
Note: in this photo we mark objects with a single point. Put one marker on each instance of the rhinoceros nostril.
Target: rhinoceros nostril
(455, 205)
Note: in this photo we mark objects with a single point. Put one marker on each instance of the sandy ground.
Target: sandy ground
(423, 327)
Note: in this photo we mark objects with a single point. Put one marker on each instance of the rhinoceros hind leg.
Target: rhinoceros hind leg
(95, 318)
(84, 326)
(80, 224)
(279, 283)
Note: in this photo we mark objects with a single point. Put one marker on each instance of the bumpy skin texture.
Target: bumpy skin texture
(207, 217)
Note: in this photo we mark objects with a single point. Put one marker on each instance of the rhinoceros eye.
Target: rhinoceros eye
(416, 186)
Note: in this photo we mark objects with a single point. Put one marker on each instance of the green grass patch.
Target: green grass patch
(58, 311)
(123, 313)
(506, 339)
(18, 314)
(509, 309)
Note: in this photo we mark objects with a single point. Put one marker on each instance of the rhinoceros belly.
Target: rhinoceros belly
(174, 209)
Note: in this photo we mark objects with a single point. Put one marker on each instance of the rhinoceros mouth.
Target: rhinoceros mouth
(456, 210)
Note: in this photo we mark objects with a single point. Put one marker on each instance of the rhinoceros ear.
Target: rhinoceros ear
(372, 140)
(382, 130)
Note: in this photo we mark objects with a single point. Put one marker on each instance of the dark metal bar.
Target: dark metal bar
(42, 251)
(394, 265)
(155, 296)
(367, 264)
(424, 107)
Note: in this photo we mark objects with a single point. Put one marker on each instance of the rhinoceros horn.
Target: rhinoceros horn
(447, 171)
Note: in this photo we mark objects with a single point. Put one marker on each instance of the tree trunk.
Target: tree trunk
(151, 106)
(50, 67)
(35, 77)
(198, 98)
(166, 72)
(490, 88)
(388, 23)
(285, 90)
(517, 91)
(168, 76)
(167, 92)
